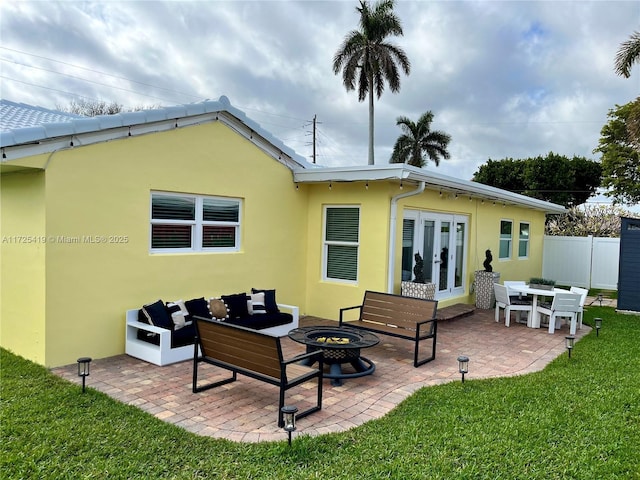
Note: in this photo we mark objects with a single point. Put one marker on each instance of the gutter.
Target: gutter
(392, 231)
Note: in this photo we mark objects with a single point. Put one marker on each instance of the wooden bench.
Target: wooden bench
(403, 317)
(255, 355)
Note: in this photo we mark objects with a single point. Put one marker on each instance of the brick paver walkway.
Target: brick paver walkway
(246, 409)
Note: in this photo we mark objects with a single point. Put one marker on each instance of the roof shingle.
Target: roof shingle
(20, 115)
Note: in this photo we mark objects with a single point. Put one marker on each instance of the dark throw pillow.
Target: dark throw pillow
(237, 305)
(269, 299)
(198, 307)
(158, 315)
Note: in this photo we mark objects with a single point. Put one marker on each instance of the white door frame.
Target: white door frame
(453, 284)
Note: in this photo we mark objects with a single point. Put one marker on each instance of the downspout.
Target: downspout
(392, 231)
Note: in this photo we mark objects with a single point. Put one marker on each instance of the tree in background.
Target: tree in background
(621, 154)
(596, 220)
(553, 178)
(368, 60)
(92, 108)
(627, 55)
(418, 144)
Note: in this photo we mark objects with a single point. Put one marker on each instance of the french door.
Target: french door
(441, 241)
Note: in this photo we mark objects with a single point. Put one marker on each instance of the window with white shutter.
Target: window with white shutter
(194, 223)
(341, 243)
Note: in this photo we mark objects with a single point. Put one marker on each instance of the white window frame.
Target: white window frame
(327, 243)
(524, 240)
(509, 240)
(197, 225)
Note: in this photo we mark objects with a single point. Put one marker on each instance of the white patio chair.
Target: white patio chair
(564, 305)
(583, 292)
(503, 301)
(517, 298)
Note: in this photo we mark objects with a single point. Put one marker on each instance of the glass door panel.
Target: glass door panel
(443, 262)
(408, 232)
(459, 254)
(428, 249)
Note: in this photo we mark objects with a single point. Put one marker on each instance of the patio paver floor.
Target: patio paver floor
(246, 410)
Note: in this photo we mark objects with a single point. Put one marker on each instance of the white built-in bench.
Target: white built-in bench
(163, 354)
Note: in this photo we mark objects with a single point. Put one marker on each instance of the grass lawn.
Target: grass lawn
(577, 419)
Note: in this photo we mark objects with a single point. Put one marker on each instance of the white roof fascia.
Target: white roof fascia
(23, 142)
(434, 181)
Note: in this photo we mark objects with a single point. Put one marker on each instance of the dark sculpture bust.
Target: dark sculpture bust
(417, 270)
(487, 261)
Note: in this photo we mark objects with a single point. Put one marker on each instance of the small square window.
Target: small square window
(506, 239)
(523, 240)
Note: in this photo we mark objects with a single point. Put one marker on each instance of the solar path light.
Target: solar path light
(463, 365)
(289, 414)
(570, 341)
(84, 369)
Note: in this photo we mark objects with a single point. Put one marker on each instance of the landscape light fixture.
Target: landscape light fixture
(598, 326)
(599, 298)
(289, 417)
(570, 341)
(84, 369)
(463, 365)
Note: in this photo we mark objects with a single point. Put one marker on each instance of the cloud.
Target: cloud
(505, 79)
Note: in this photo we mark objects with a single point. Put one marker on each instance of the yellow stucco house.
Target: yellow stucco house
(104, 214)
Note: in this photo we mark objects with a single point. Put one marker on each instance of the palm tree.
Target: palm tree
(628, 54)
(368, 60)
(418, 143)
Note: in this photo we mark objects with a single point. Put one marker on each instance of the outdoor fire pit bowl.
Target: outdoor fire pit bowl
(339, 345)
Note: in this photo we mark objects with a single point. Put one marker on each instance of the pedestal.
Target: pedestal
(426, 291)
(485, 296)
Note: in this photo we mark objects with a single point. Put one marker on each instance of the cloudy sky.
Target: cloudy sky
(504, 78)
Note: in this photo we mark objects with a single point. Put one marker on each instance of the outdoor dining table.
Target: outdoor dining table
(536, 292)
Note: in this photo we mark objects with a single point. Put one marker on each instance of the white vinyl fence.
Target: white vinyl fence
(588, 262)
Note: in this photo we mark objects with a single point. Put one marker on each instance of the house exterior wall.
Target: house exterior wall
(102, 191)
(92, 205)
(22, 264)
(488, 229)
(484, 233)
(325, 298)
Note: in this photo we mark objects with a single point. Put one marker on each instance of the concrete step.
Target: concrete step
(455, 311)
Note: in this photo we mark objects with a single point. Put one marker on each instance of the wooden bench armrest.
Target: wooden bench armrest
(342, 310)
(428, 320)
(303, 356)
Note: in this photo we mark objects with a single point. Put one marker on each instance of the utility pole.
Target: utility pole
(314, 122)
(314, 137)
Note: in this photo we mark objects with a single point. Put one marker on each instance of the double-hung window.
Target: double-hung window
(341, 243)
(194, 223)
(523, 240)
(506, 239)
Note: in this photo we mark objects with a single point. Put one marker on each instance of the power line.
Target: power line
(46, 88)
(87, 80)
(90, 70)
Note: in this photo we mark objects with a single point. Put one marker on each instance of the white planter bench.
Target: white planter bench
(163, 354)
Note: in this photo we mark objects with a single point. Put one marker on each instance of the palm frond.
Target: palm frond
(627, 55)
